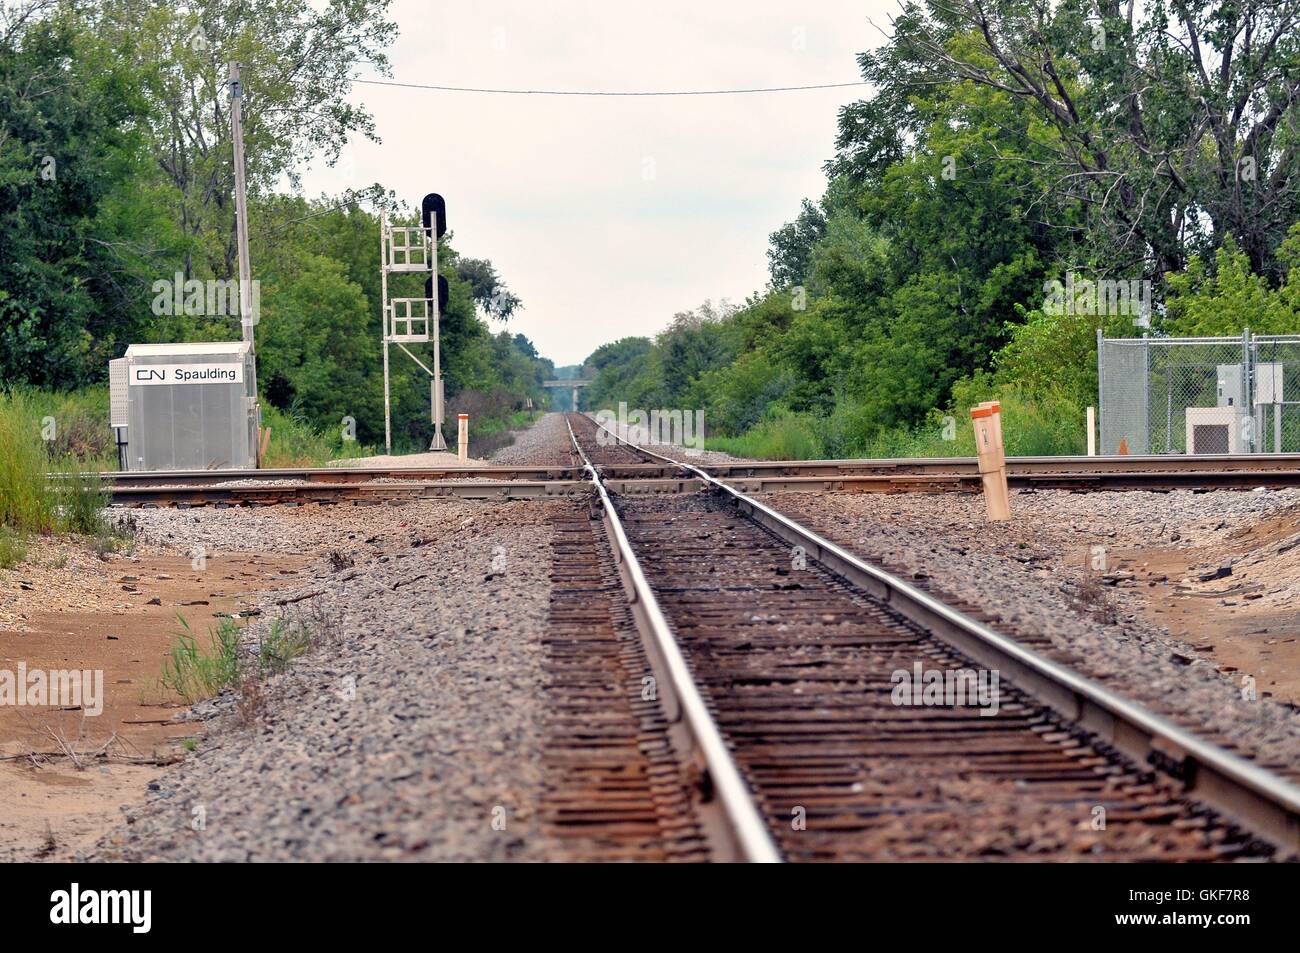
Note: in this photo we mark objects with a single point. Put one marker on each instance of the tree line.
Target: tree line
(116, 173)
(1009, 149)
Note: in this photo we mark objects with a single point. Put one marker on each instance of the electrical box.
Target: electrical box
(1268, 384)
(187, 406)
(1231, 389)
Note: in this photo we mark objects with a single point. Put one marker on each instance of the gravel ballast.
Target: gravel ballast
(544, 444)
(411, 730)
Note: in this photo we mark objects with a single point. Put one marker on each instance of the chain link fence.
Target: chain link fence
(1200, 395)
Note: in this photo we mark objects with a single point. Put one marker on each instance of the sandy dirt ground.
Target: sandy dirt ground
(65, 774)
(1248, 620)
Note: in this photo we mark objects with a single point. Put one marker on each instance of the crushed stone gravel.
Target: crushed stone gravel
(411, 730)
(545, 443)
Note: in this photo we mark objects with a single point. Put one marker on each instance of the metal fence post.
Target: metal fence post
(1101, 389)
(1248, 390)
(1146, 395)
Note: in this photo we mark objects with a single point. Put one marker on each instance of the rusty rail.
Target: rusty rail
(744, 834)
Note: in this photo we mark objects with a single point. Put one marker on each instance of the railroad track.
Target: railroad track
(782, 653)
(631, 473)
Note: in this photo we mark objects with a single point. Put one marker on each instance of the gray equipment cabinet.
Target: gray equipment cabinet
(185, 406)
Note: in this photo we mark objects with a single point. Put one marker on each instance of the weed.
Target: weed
(195, 672)
(282, 642)
(116, 538)
(12, 549)
(81, 498)
(1094, 598)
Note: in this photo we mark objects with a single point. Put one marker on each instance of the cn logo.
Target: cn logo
(149, 374)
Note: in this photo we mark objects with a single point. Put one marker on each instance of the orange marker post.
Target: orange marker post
(996, 407)
(987, 422)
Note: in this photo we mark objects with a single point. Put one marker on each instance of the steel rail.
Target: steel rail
(1241, 462)
(1201, 481)
(193, 490)
(1286, 463)
(1260, 801)
(746, 831)
(334, 493)
(334, 475)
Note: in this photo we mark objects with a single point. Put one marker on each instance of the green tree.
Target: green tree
(790, 246)
(68, 194)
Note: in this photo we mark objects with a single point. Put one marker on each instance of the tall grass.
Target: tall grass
(81, 433)
(295, 443)
(39, 494)
(80, 498)
(1042, 425)
(785, 438)
(27, 503)
(195, 671)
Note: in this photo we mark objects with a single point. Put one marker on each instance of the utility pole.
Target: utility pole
(241, 204)
(246, 318)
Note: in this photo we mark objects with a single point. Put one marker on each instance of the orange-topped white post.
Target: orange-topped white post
(996, 407)
(462, 444)
(987, 421)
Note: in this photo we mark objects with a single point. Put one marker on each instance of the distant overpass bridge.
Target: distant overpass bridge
(570, 385)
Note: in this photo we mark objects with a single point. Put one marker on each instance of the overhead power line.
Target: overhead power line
(607, 92)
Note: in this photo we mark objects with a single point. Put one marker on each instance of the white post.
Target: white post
(987, 422)
(383, 312)
(439, 442)
(1092, 431)
(462, 444)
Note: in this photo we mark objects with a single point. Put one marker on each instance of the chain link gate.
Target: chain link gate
(1199, 395)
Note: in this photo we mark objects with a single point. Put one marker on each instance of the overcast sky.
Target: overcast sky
(608, 215)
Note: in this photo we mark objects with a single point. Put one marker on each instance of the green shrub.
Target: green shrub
(784, 438)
